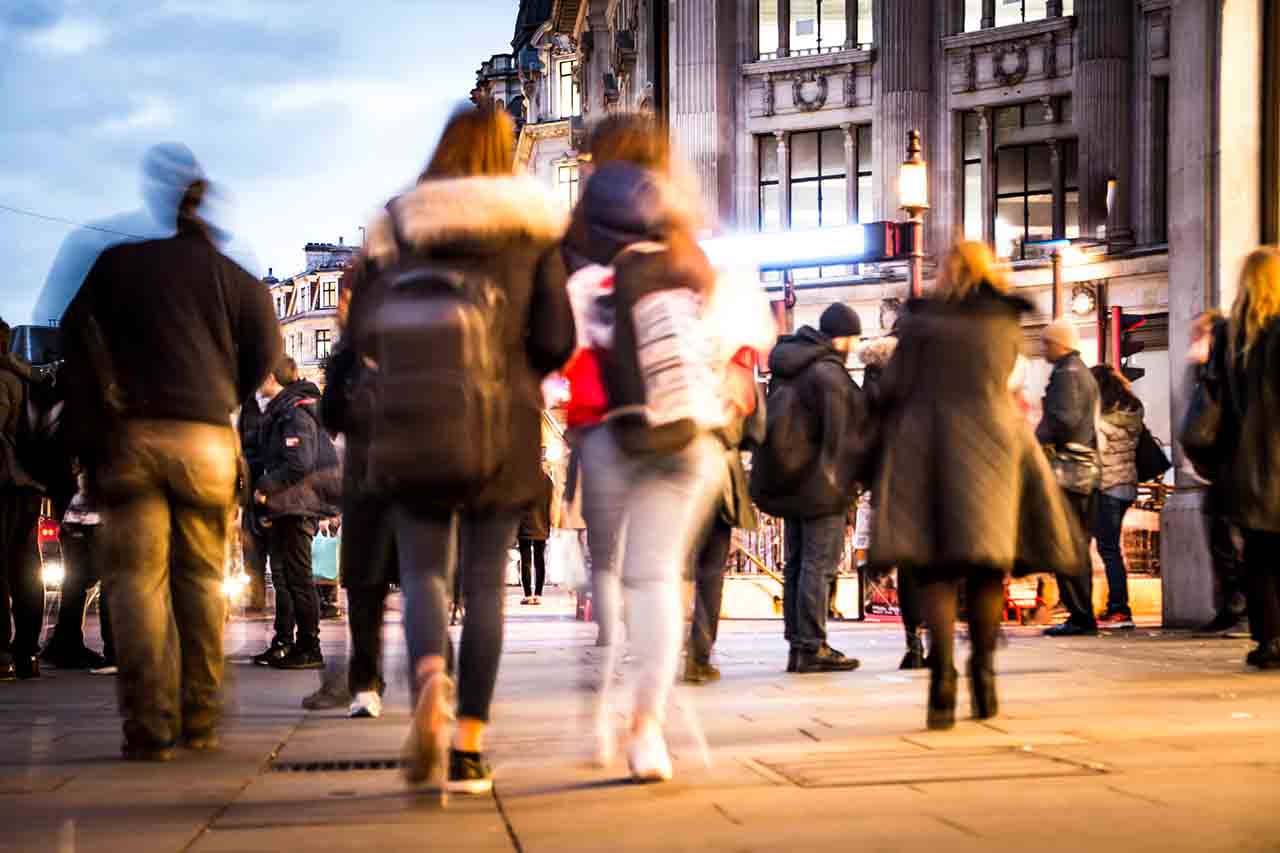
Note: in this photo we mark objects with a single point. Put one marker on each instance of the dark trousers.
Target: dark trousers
(366, 609)
(813, 548)
(909, 604)
(21, 588)
(1107, 529)
(429, 548)
(708, 590)
(297, 602)
(1077, 589)
(1262, 578)
(168, 493)
(82, 573)
(533, 558)
(940, 595)
(1228, 568)
(254, 546)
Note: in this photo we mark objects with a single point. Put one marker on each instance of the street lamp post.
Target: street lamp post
(913, 197)
(1057, 283)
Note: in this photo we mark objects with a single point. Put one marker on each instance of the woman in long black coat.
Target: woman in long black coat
(965, 493)
(535, 530)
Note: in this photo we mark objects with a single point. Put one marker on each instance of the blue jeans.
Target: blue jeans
(813, 549)
(1107, 527)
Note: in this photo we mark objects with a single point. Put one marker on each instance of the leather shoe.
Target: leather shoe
(155, 754)
(825, 659)
(1265, 656)
(700, 673)
(792, 655)
(1071, 629)
(942, 701)
(914, 658)
(982, 691)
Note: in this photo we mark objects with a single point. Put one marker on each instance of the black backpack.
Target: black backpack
(785, 459)
(440, 404)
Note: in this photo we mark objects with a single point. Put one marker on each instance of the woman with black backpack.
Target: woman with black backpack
(464, 313)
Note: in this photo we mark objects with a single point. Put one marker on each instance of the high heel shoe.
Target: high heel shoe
(942, 700)
(428, 741)
(982, 690)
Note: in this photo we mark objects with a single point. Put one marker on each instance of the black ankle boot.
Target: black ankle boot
(942, 700)
(982, 690)
(914, 658)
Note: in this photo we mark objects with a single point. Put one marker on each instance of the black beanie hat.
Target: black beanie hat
(840, 321)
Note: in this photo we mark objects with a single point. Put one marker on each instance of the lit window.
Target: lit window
(570, 96)
(329, 294)
(1024, 197)
(972, 177)
(567, 183)
(1011, 12)
(322, 343)
(814, 26)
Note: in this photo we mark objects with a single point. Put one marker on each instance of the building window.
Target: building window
(819, 181)
(1160, 159)
(770, 186)
(322, 343)
(1011, 12)
(329, 294)
(567, 183)
(972, 177)
(812, 26)
(862, 161)
(570, 96)
(1025, 198)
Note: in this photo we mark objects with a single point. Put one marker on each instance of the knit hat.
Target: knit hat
(1063, 333)
(840, 321)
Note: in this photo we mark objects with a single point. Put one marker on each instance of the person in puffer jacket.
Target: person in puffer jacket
(1119, 429)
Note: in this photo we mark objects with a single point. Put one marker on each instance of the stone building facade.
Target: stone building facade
(1135, 139)
(307, 305)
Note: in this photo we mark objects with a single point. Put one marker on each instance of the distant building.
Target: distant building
(307, 305)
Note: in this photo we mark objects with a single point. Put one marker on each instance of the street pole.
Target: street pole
(913, 197)
(917, 256)
(1057, 283)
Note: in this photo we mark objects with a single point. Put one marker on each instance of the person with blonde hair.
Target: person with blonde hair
(964, 492)
(1252, 474)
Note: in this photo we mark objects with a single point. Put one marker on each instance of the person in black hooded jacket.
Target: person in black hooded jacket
(833, 409)
(292, 445)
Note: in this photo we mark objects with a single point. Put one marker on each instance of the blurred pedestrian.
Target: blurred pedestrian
(293, 446)
(1207, 362)
(253, 543)
(456, 408)
(164, 340)
(1252, 475)
(875, 355)
(1067, 430)
(962, 466)
(807, 471)
(77, 536)
(535, 529)
(1119, 429)
(21, 588)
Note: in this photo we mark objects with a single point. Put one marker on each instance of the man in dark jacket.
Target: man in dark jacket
(163, 342)
(294, 446)
(1070, 409)
(833, 410)
(19, 517)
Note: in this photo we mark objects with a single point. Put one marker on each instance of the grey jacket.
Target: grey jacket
(1119, 431)
(1070, 405)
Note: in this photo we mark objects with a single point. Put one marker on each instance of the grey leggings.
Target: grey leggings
(431, 548)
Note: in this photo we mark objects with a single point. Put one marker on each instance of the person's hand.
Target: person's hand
(1199, 352)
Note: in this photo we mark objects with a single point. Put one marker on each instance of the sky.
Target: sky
(307, 115)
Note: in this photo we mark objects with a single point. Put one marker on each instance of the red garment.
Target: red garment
(588, 401)
(740, 382)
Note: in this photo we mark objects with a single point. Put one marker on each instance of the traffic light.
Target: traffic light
(1123, 327)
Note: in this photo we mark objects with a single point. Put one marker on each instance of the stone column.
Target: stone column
(1059, 191)
(595, 33)
(850, 171)
(1103, 80)
(985, 126)
(784, 180)
(905, 57)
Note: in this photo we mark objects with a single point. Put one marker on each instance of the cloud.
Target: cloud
(378, 99)
(67, 37)
(150, 112)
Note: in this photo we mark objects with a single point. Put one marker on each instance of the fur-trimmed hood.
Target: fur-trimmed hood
(876, 352)
(463, 210)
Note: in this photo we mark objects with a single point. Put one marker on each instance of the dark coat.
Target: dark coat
(15, 375)
(249, 425)
(1252, 477)
(536, 523)
(509, 230)
(621, 204)
(836, 411)
(962, 479)
(1070, 405)
(294, 446)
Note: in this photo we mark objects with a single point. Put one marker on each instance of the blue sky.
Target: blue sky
(307, 114)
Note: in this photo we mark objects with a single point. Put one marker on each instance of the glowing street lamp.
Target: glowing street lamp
(913, 197)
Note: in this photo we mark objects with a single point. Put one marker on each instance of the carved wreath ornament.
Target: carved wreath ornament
(1009, 63)
(800, 87)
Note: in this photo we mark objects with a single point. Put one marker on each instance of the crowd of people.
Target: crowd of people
(180, 410)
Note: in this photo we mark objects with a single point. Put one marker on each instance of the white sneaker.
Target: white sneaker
(366, 704)
(105, 670)
(648, 758)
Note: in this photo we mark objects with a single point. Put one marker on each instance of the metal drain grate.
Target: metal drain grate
(341, 765)
(851, 771)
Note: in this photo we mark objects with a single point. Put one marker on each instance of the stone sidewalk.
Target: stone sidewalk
(1145, 741)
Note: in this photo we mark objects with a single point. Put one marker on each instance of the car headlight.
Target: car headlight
(233, 586)
(53, 573)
